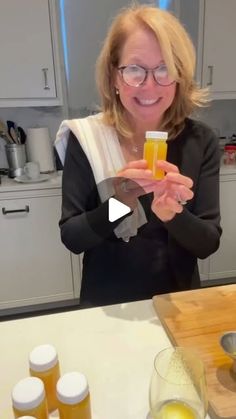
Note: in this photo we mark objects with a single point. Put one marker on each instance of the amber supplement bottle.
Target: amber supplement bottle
(28, 398)
(73, 396)
(155, 148)
(43, 362)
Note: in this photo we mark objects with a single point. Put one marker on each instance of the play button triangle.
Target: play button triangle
(117, 209)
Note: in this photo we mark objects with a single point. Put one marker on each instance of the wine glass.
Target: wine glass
(178, 385)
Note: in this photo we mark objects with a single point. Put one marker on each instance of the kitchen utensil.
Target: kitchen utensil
(22, 135)
(4, 132)
(228, 343)
(13, 131)
(13, 135)
(16, 157)
(198, 318)
(10, 124)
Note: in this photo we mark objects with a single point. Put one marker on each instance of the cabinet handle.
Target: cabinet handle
(45, 75)
(4, 211)
(210, 70)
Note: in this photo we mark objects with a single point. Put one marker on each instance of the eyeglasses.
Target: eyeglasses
(135, 75)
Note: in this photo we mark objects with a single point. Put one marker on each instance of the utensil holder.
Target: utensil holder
(16, 158)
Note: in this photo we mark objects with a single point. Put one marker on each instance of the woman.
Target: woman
(145, 78)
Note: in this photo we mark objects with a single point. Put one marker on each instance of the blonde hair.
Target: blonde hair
(179, 56)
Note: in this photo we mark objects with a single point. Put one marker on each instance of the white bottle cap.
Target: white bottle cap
(157, 135)
(72, 388)
(43, 358)
(28, 393)
(26, 417)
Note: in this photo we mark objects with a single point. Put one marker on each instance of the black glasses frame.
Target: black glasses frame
(147, 71)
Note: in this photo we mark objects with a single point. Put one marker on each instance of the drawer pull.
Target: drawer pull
(4, 211)
(210, 70)
(45, 76)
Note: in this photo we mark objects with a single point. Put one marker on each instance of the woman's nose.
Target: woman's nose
(150, 81)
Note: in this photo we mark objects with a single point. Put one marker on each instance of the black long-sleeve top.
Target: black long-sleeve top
(163, 256)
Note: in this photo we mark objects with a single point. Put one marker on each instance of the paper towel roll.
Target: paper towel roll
(39, 148)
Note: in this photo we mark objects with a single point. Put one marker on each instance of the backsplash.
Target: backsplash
(49, 117)
(220, 115)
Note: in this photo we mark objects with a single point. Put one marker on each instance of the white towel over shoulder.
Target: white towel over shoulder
(102, 148)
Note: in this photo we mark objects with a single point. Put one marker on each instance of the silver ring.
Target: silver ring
(179, 200)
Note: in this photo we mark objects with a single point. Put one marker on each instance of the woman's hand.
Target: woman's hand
(133, 181)
(171, 193)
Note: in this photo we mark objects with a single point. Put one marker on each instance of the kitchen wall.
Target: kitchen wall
(221, 115)
(86, 27)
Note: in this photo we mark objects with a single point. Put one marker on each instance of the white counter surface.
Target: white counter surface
(11, 185)
(113, 346)
(229, 169)
(55, 179)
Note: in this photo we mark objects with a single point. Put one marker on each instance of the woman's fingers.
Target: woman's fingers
(172, 173)
(134, 173)
(180, 179)
(177, 186)
(183, 194)
(177, 191)
(135, 169)
(136, 164)
(166, 166)
(142, 164)
(166, 208)
(174, 205)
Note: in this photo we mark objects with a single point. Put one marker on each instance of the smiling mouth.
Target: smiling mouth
(147, 102)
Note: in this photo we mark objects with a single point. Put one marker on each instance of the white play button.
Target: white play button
(116, 209)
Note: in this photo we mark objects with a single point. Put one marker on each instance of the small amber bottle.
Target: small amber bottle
(155, 148)
(28, 398)
(43, 361)
(73, 396)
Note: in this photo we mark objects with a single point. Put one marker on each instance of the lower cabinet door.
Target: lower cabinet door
(223, 262)
(35, 266)
(221, 265)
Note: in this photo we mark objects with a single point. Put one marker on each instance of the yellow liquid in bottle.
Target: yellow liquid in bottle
(40, 412)
(75, 411)
(175, 410)
(49, 378)
(155, 150)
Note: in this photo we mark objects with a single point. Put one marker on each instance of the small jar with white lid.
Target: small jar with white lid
(28, 398)
(155, 148)
(44, 364)
(73, 396)
(27, 417)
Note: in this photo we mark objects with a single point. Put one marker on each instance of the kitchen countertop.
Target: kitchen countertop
(114, 346)
(227, 169)
(10, 185)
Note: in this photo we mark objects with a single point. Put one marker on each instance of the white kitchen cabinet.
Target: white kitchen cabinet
(30, 63)
(219, 59)
(35, 266)
(211, 24)
(222, 264)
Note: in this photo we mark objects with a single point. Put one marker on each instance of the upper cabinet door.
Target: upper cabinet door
(219, 46)
(28, 75)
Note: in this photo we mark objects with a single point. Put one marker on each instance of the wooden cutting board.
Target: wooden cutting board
(198, 318)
